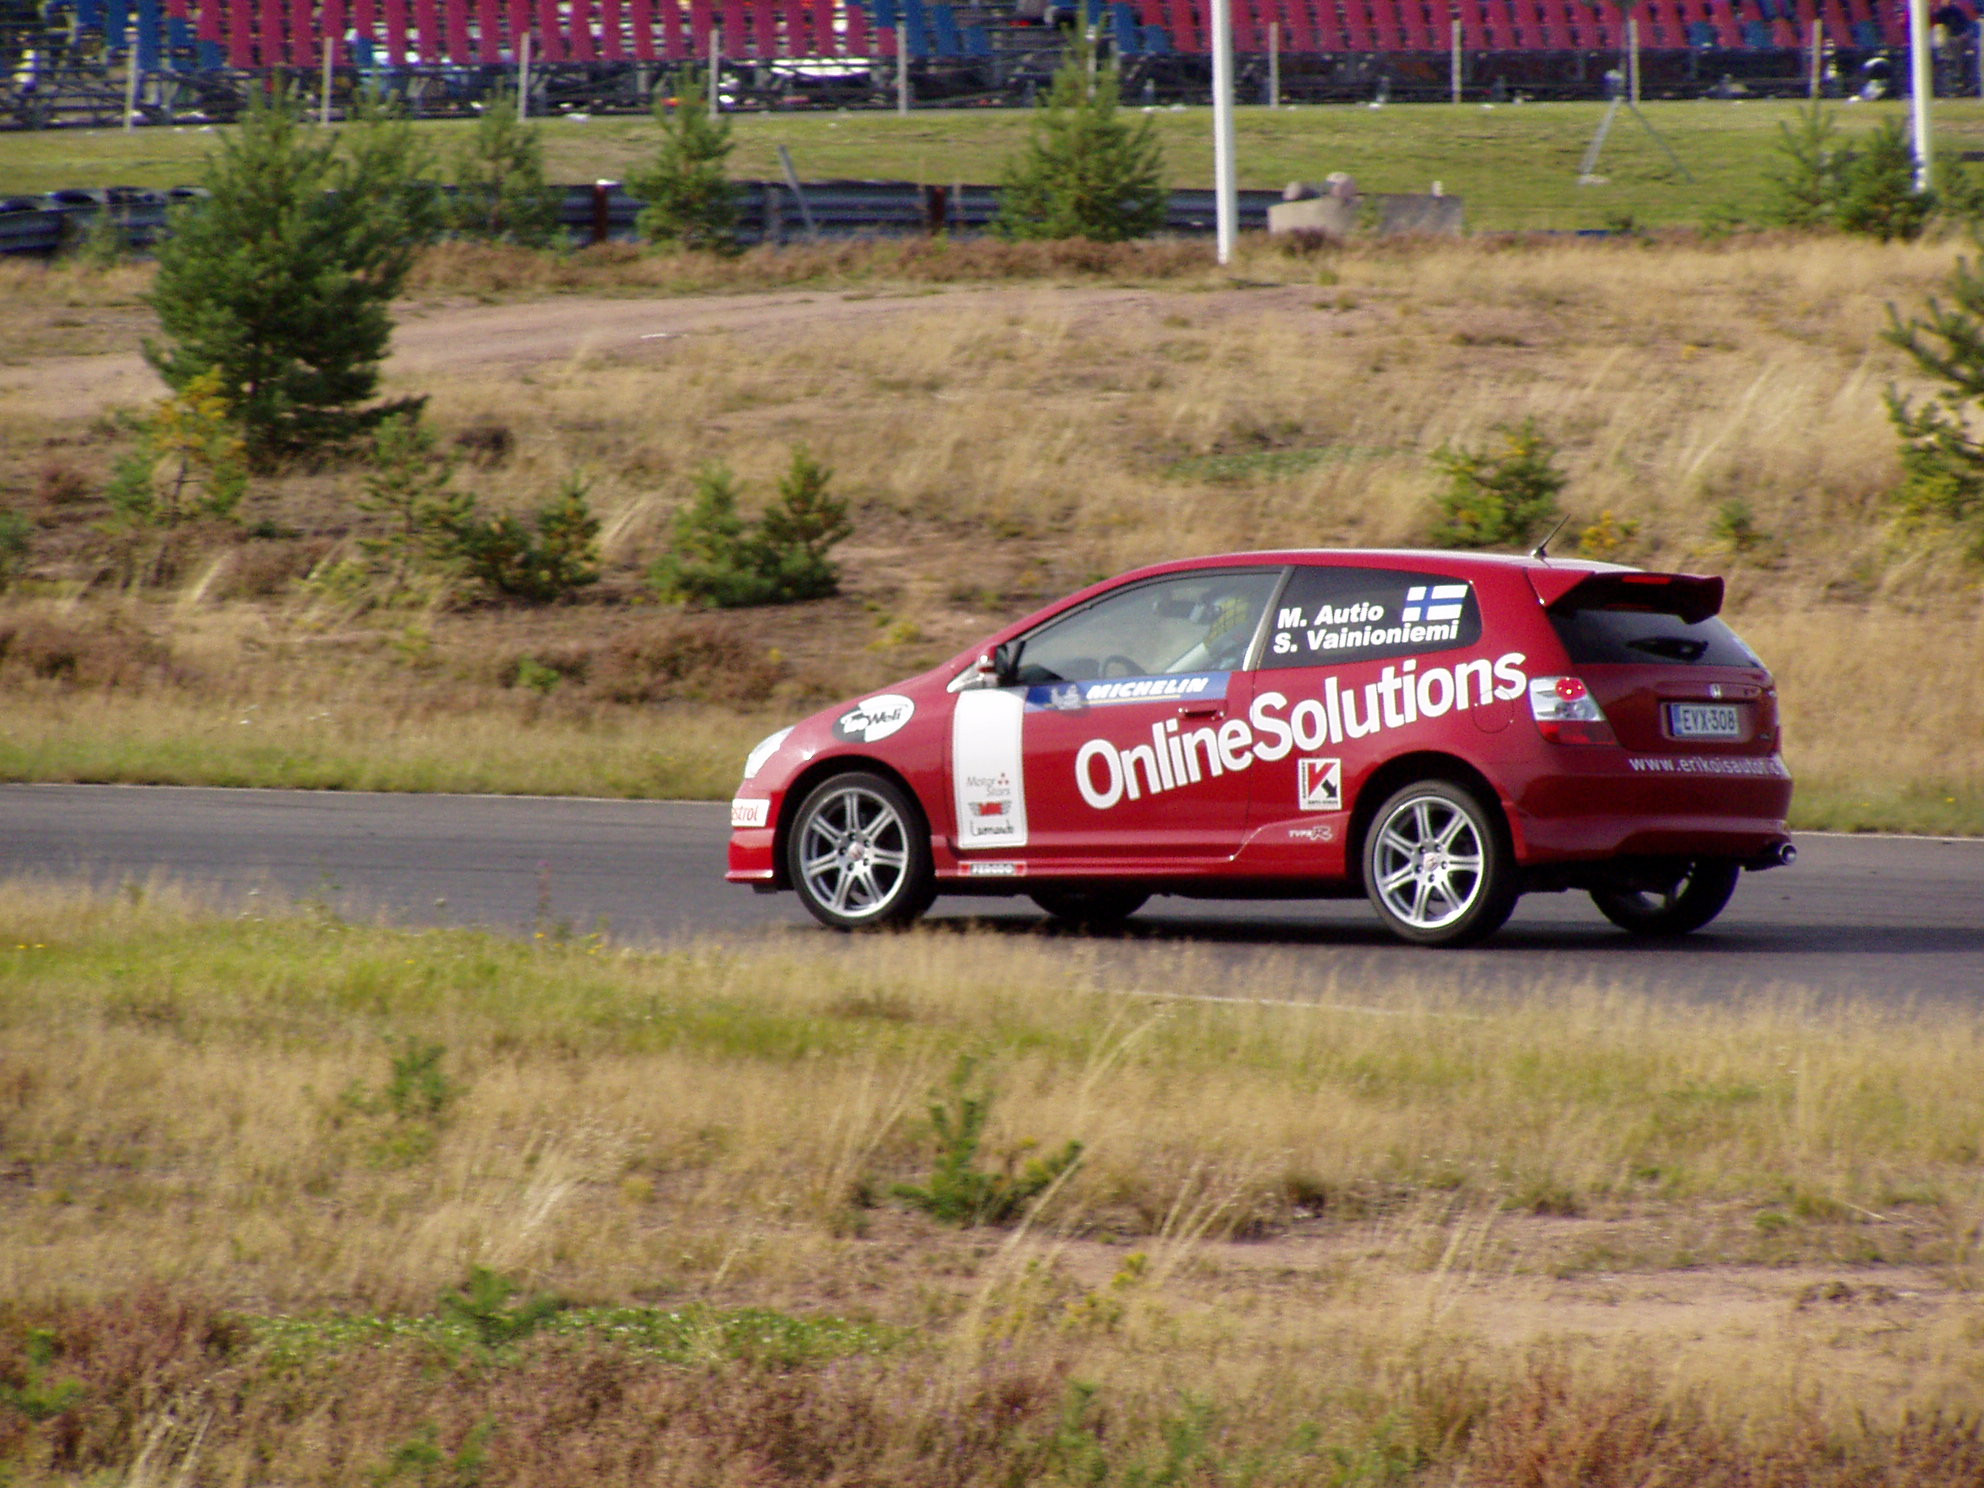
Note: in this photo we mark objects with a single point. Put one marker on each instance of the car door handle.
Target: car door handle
(1201, 710)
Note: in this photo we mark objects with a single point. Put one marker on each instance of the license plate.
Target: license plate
(1704, 721)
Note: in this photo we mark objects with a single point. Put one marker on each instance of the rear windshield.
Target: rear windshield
(1597, 636)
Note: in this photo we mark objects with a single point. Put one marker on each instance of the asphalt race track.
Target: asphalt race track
(1893, 918)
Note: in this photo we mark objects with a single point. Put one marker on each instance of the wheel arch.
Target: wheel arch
(1394, 775)
(802, 786)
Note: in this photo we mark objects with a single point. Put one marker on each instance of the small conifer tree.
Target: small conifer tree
(499, 179)
(689, 199)
(188, 464)
(1497, 498)
(798, 529)
(1878, 196)
(279, 281)
(1805, 185)
(1868, 188)
(716, 559)
(1086, 172)
(409, 489)
(1942, 458)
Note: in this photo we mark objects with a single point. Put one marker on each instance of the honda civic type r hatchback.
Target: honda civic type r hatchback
(1440, 732)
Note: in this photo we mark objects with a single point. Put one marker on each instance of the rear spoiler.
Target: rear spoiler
(1691, 597)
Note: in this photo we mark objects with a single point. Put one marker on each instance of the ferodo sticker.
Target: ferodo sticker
(978, 868)
(1106, 773)
(988, 773)
(1319, 784)
(872, 721)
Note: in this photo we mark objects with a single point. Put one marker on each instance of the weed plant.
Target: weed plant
(958, 1190)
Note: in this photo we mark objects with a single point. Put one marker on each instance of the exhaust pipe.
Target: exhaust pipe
(1779, 855)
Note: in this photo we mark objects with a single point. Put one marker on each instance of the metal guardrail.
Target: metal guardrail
(768, 212)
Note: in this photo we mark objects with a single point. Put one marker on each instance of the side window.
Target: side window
(1201, 622)
(1329, 615)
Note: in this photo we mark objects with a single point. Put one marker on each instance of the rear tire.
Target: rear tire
(1697, 896)
(1089, 906)
(859, 854)
(1437, 866)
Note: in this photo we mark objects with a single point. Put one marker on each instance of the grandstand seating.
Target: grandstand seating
(207, 34)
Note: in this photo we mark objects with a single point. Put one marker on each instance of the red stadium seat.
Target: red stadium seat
(1301, 33)
(1385, 25)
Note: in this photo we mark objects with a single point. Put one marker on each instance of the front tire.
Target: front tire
(858, 854)
(1093, 907)
(1437, 867)
(1697, 896)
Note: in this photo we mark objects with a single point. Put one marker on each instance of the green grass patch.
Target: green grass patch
(1515, 165)
(692, 1334)
(1570, 1092)
(163, 740)
(1265, 465)
(1931, 808)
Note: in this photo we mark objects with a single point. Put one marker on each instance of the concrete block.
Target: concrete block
(1325, 214)
(1403, 213)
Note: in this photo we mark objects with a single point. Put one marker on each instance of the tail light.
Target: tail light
(1567, 713)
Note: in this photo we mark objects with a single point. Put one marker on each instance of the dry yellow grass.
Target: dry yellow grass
(613, 1102)
(1718, 406)
(1391, 1219)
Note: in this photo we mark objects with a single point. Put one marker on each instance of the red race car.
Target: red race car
(1441, 732)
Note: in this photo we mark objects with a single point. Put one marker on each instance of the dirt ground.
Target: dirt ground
(469, 335)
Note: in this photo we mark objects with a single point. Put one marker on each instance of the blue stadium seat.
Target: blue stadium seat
(977, 42)
(944, 22)
(884, 14)
(1866, 34)
(213, 56)
(148, 35)
(1756, 34)
(1701, 34)
(1157, 41)
(916, 27)
(1129, 32)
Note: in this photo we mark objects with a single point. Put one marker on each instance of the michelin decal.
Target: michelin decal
(1074, 697)
(1273, 729)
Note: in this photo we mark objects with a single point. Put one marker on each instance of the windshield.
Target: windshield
(1198, 622)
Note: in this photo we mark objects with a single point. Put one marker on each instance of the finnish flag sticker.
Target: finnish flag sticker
(1432, 603)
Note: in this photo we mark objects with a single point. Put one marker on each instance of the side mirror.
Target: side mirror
(1005, 664)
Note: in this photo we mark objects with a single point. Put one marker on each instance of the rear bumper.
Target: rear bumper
(1620, 805)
